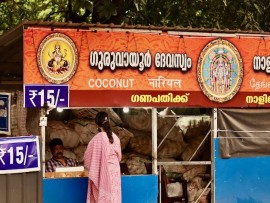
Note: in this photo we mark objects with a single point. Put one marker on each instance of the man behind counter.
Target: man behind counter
(58, 159)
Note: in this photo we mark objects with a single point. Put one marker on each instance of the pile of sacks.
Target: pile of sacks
(183, 136)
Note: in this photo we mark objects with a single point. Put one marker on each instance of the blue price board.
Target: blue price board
(5, 113)
(35, 96)
(19, 154)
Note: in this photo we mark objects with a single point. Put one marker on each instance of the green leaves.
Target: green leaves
(106, 9)
(231, 14)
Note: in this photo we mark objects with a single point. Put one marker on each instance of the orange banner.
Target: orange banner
(177, 67)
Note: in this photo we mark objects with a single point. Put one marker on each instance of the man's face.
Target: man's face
(57, 152)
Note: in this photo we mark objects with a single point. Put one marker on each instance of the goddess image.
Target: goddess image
(57, 62)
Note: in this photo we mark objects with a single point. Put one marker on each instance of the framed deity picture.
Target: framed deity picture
(5, 99)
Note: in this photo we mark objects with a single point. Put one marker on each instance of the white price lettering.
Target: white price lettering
(10, 151)
(20, 156)
(50, 98)
(41, 94)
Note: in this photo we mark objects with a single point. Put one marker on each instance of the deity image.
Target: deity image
(220, 72)
(57, 58)
(57, 62)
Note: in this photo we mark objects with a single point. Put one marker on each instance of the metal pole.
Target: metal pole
(209, 132)
(43, 150)
(203, 191)
(215, 122)
(213, 137)
(43, 124)
(154, 141)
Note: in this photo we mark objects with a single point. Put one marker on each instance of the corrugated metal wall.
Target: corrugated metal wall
(21, 187)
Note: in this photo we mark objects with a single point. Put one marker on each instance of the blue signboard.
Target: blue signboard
(5, 113)
(35, 96)
(19, 154)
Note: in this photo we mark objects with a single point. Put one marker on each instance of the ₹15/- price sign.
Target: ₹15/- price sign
(35, 96)
(19, 154)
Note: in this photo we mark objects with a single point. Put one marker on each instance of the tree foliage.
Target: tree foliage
(220, 14)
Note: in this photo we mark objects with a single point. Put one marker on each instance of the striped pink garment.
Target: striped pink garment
(102, 159)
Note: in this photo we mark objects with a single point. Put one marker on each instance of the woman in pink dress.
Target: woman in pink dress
(101, 159)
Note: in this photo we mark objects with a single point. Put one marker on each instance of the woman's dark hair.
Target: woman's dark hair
(102, 120)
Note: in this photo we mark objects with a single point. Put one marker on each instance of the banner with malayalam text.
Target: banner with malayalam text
(119, 68)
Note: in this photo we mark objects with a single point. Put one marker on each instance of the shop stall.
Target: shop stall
(176, 83)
